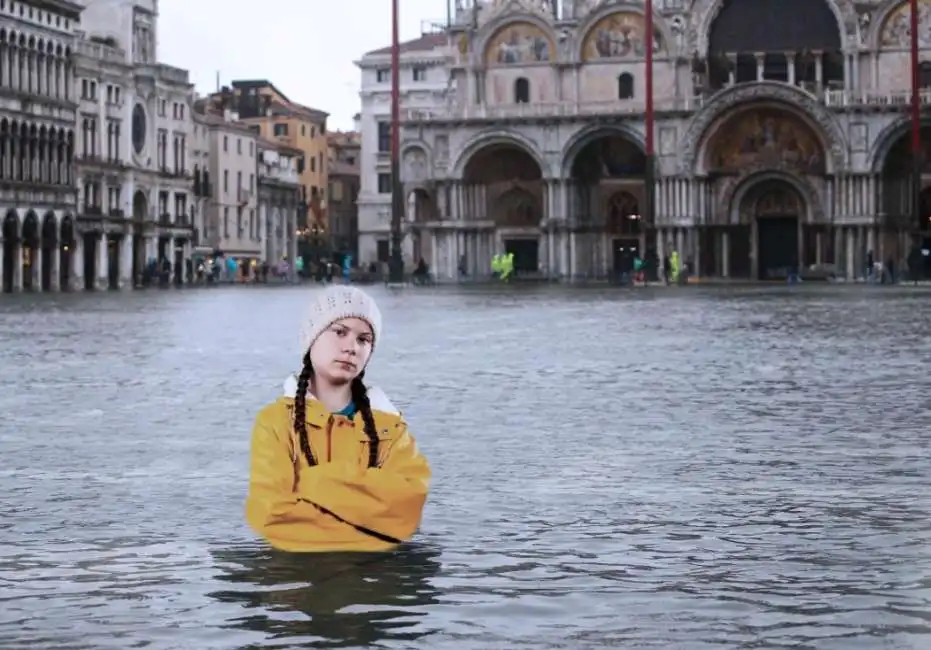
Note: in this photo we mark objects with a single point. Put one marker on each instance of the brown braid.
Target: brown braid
(300, 408)
(360, 397)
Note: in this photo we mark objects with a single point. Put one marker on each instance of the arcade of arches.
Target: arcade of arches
(504, 204)
(53, 252)
(766, 202)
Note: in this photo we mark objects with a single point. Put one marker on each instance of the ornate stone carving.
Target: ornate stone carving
(729, 188)
(896, 30)
(761, 92)
(859, 136)
(415, 165)
(495, 9)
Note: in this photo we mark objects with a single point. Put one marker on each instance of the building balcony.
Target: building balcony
(278, 175)
(831, 98)
(243, 196)
(98, 51)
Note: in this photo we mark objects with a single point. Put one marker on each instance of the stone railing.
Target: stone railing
(99, 51)
(829, 98)
(171, 73)
(895, 98)
(269, 172)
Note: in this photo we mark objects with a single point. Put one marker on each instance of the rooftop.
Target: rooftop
(424, 43)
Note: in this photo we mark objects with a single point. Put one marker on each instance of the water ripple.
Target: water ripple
(689, 469)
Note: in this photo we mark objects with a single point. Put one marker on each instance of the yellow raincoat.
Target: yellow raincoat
(340, 504)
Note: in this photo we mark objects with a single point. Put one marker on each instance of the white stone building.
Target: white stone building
(133, 150)
(279, 200)
(232, 226)
(424, 77)
(37, 116)
(779, 142)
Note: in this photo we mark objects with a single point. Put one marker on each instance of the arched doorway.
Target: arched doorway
(506, 188)
(47, 269)
(11, 242)
(757, 140)
(420, 211)
(906, 230)
(66, 242)
(606, 180)
(804, 51)
(140, 214)
(625, 229)
(31, 242)
(778, 209)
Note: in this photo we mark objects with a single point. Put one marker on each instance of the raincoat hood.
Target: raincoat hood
(377, 397)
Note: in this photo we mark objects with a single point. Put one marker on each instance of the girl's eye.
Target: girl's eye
(364, 340)
(340, 332)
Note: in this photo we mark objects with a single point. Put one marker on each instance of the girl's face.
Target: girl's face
(342, 351)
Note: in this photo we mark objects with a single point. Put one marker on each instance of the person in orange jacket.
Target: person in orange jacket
(333, 465)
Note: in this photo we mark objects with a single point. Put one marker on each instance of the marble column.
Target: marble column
(18, 268)
(77, 263)
(126, 261)
(850, 256)
(36, 269)
(55, 270)
(103, 263)
(725, 254)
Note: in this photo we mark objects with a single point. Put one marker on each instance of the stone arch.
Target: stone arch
(11, 226)
(492, 175)
(623, 217)
(49, 230)
(895, 135)
(754, 181)
(415, 164)
(499, 139)
(892, 161)
(612, 17)
(517, 39)
(66, 233)
(800, 104)
(140, 205)
(518, 207)
(704, 13)
(891, 26)
(589, 135)
(419, 205)
(30, 230)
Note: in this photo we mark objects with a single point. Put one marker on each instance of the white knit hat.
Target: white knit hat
(336, 302)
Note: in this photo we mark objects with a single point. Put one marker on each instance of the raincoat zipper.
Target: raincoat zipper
(329, 439)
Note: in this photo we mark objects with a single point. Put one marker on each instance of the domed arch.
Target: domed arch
(800, 104)
(705, 12)
(616, 33)
(505, 140)
(518, 40)
(585, 139)
(892, 160)
(891, 29)
(808, 49)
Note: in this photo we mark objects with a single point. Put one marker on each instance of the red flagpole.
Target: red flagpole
(916, 119)
(648, 39)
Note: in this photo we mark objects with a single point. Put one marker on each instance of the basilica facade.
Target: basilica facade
(781, 131)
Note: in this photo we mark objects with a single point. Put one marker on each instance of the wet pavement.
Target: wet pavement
(671, 468)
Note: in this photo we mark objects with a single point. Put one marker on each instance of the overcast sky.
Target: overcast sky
(305, 47)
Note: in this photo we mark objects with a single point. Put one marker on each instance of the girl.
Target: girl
(334, 467)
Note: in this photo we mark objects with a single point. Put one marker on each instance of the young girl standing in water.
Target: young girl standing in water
(334, 467)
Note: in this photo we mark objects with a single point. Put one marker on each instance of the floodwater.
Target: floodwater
(614, 468)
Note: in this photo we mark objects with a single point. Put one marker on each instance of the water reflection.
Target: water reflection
(333, 600)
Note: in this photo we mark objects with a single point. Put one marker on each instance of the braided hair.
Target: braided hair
(360, 398)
